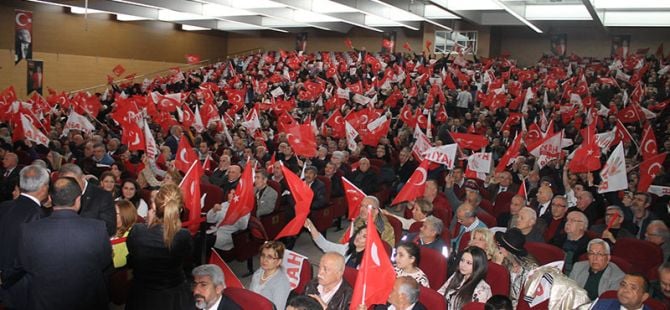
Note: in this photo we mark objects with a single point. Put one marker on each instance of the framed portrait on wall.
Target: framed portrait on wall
(558, 44)
(620, 45)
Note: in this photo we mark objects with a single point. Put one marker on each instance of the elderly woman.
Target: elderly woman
(270, 280)
(421, 209)
(515, 258)
(407, 260)
(483, 239)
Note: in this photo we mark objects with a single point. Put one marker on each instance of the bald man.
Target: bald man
(329, 287)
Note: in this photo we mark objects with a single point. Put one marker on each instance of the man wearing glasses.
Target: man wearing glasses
(574, 241)
(598, 274)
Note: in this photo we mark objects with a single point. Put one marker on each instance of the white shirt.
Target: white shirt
(216, 304)
(543, 208)
(624, 308)
(32, 198)
(326, 297)
(392, 307)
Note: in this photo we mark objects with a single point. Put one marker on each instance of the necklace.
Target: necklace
(264, 278)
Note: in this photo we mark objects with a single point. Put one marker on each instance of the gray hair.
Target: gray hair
(436, 223)
(338, 154)
(212, 271)
(410, 288)
(661, 229)
(32, 177)
(530, 212)
(71, 169)
(617, 209)
(599, 241)
(41, 163)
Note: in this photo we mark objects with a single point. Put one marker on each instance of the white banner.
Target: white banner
(277, 92)
(659, 191)
(480, 162)
(444, 154)
(292, 265)
(613, 175)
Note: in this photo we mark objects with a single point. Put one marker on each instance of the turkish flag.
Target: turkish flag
(302, 140)
(192, 59)
(586, 158)
(648, 146)
(511, 153)
(442, 114)
(185, 155)
(375, 131)
(533, 135)
(25, 129)
(243, 201)
(354, 197)
(407, 117)
(407, 46)
(236, 96)
(133, 137)
(118, 70)
(415, 186)
(187, 116)
(302, 195)
(649, 169)
(190, 189)
(631, 114)
(167, 103)
(376, 275)
(470, 141)
(336, 122)
(229, 276)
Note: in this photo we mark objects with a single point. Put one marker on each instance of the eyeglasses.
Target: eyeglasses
(597, 254)
(268, 257)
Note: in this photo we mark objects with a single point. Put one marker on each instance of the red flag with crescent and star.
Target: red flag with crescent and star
(415, 186)
(185, 155)
(243, 201)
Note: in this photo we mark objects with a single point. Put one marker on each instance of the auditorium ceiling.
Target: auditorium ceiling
(375, 15)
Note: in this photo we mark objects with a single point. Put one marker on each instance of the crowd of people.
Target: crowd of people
(92, 203)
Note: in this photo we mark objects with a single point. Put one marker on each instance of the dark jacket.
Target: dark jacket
(98, 204)
(340, 300)
(64, 257)
(417, 306)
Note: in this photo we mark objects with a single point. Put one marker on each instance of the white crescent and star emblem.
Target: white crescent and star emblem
(22, 19)
(339, 120)
(424, 175)
(364, 119)
(653, 168)
(375, 255)
(182, 155)
(137, 139)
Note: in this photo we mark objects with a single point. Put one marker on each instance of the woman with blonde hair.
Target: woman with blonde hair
(156, 253)
(482, 238)
(270, 280)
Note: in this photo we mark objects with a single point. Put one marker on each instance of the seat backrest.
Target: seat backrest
(641, 253)
(502, 203)
(277, 187)
(465, 240)
(498, 278)
(416, 226)
(431, 299)
(474, 306)
(257, 229)
(434, 265)
(487, 218)
(397, 227)
(214, 195)
(350, 275)
(326, 182)
(247, 299)
(545, 253)
(305, 276)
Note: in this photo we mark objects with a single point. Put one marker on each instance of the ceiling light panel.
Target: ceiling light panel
(129, 18)
(78, 10)
(170, 15)
(469, 5)
(376, 21)
(221, 10)
(434, 12)
(557, 12)
(631, 4)
(326, 6)
(193, 28)
(636, 19)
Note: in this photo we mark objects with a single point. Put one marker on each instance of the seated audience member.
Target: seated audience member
(556, 225)
(223, 234)
(467, 283)
(319, 189)
(598, 274)
(661, 287)
(528, 225)
(436, 198)
(108, 183)
(364, 178)
(500, 183)
(505, 218)
(329, 288)
(301, 302)
(575, 240)
(270, 280)
(219, 175)
(352, 251)
(126, 216)
(65, 255)
(131, 191)
(407, 257)
(266, 196)
(208, 286)
(473, 197)
(498, 302)
(616, 230)
(483, 239)
(589, 206)
(642, 215)
(515, 258)
(404, 169)
(405, 295)
(334, 174)
(466, 216)
(384, 228)
(430, 236)
(631, 295)
(658, 234)
(232, 179)
(420, 208)
(542, 201)
(156, 254)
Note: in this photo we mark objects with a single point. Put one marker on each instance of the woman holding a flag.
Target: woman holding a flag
(352, 251)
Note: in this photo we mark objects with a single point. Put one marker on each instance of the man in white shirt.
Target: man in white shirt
(404, 296)
(208, 286)
(329, 288)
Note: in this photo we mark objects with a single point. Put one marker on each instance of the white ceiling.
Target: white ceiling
(342, 15)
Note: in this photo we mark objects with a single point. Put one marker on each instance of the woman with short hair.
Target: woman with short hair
(270, 280)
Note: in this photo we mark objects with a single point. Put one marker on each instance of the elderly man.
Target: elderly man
(466, 216)
(208, 286)
(556, 224)
(657, 233)
(587, 204)
(429, 236)
(319, 189)
(598, 274)
(96, 203)
(232, 179)
(505, 218)
(472, 196)
(266, 196)
(219, 174)
(173, 140)
(329, 288)
(615, 216)
(441, 206)
(405, 295)
(364, 178)
(502, 182)
(575, 240)
(405, 168)
(661, 288)
(542, 201)
(631, 295)
(642, 216)
(331, 172)
(34, 187)
(527, 223)
(100, 155)
(382, 223)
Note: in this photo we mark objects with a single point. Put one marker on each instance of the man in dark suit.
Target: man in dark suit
(319, 189)
(10, 173)
(364, 178)
(64, 255)
(405, 295)
(26, 208)
(173, 140)
(208, 286)
(632, 294)
(329, 288)
(96, 203)
(502, 183)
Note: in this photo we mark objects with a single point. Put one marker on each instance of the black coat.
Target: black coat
(64, 257)
(98, 204)
(7, 183)
(340, 300)
(417, 306)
